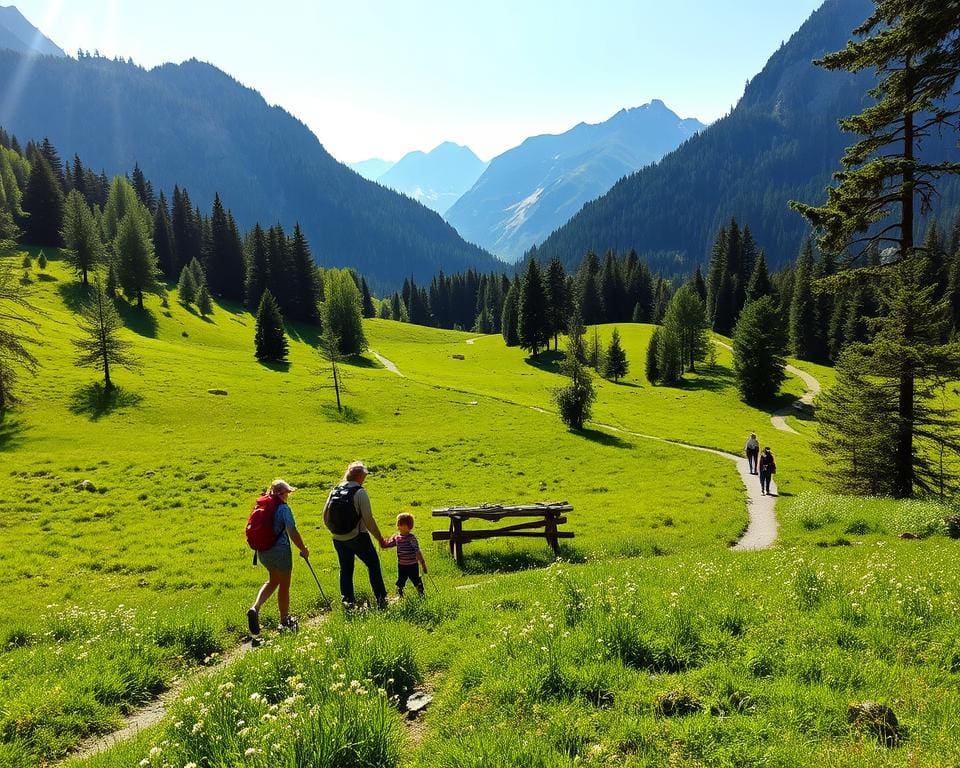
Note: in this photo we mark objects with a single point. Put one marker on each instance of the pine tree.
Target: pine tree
(758, 348)
(759, 285)
(204, 302)
(225, 265)
(81, 235)
(366, 299)
(43, 205)
(122, 201)
(912, 47)
(102, 346)
(113, 280)
(594, 351)
(612, 291)
(509, 319)
(187, 287)
(342, 311)
(163, 244)
(258, 276)
(304, 289)
(42, 260)
(16, 313)
(270, 340)
(652, 369)
(574, 401)
(685, 320)
(136, 262)
(615, 364)
(557, 299)
(328, 347)
(699, 285)
(533, 327)
(803, 309)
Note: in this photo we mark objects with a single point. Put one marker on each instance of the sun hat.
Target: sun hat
(279, 486)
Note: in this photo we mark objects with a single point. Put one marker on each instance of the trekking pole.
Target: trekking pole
(325, 599)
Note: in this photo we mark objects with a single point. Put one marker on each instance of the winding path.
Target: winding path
(778, 418)
(387, 364)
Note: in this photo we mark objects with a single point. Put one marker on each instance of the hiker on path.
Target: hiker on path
(768, 468)
(349, 518)
(277, 560)
(752, 450)
(408, 553)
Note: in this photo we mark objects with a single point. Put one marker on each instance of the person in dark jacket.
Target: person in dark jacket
(768, 468)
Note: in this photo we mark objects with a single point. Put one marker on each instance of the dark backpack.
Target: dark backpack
(342, 515)
(260, 535)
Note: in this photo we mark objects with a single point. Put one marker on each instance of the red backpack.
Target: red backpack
(260, 535)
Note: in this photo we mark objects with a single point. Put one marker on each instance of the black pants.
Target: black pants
(752, 460)
(360, 546)
(411, 572)
(765, 480)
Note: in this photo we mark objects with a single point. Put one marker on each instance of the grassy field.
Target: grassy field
(118, 590)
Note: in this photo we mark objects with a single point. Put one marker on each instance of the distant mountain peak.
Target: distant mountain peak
(436, 178)
(18, 34)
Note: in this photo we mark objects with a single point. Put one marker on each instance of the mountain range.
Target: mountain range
(193, 125)
(371, 169)
(436, 178)
(781, 142)
(530, 190)
(18, 34)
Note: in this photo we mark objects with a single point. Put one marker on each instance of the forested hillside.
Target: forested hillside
(194, 126)
(780, 143)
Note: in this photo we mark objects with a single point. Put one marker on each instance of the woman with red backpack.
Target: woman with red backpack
(272, 521)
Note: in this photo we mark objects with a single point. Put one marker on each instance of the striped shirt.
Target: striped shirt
(407, 547)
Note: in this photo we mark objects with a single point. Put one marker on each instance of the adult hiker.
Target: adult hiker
(272, 509)
(349, 518)
(752, 450)
(768, 468)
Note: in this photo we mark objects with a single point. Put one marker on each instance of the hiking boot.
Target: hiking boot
(253, 621)
(289, 624)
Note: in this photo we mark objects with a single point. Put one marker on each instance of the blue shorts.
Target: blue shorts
(278, 558)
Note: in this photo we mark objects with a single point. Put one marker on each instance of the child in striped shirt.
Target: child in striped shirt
(408, 553)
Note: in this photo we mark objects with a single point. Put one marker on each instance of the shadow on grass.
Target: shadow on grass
(95, 402)
(74, 294)
(517, 560)
(625, 383)
(709, 379)
(548, 360)
(140, 321)
(279, 366)
(347, 415)
(603, 438)
(359, 361)
(43, 277)
(308, 334)
(11, 430)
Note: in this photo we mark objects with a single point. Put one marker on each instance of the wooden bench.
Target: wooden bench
(546, 516)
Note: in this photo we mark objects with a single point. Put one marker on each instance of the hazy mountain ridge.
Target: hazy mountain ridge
(18, 34)
(781, 142)
(437, 178)
(528, 191)
(193, 125)
(371, 169)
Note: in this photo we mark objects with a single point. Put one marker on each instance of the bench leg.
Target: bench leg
(458, 544)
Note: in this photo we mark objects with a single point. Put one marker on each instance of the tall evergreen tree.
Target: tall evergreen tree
(558, 301)
(912, 47)
(759, 285)
(343, 311)
(43, 205)
(204, 302)
(366, 299)
(258, 275)
(510, 317)
(700, 285)
(615, 361)
(186, 246)
(187, 287)
(685, 322)
(612, 291)
(163, 242)
(84, 249)
(652, 370)
(136, 262)
(575, 400)
(758, 349)
(304, 288)
(803, 309)
(270, 340)
(533, 328)
(101, 346)
(16, 313)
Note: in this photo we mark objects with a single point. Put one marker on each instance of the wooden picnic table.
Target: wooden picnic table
(546, 516)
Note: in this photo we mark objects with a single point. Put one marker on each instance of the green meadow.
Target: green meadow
(647, 643)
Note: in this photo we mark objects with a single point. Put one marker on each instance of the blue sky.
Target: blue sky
(380, 78)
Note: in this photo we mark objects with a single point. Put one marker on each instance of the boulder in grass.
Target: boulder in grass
(907, 536)
(216, 392)
(416, 703)
(86, 485)
(953, 526)
(877, 719)
(676, 704)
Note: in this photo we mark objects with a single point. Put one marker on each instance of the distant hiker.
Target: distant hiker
(408, 553)
(753, 451)
(768, 468)
(271, 523)
(349, 518)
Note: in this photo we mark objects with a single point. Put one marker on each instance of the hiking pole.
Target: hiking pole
(325, 599)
